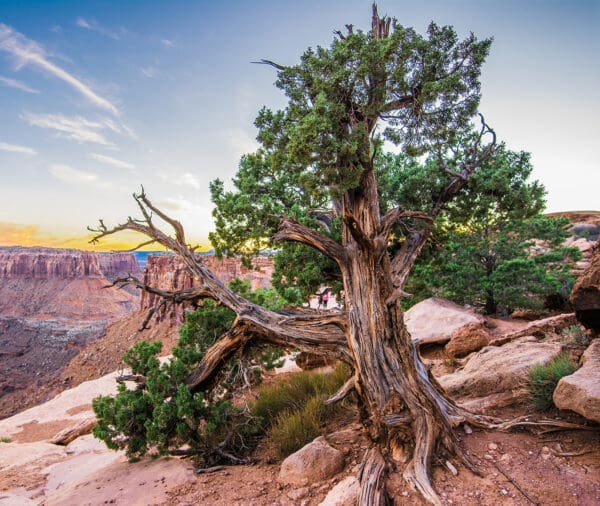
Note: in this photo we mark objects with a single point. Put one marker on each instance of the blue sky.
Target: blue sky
(97, 98)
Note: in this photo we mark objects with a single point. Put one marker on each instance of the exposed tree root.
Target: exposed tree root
(371, 477)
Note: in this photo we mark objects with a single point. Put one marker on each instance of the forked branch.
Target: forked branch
(291, 230)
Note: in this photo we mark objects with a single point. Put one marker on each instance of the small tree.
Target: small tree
(493, 248)
(420, 92)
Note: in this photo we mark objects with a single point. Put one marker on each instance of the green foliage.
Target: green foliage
(485, 250)
(423, 89)
(544, 378)
(162, 415)
(498, 270)
(293, 409)
(5, 440)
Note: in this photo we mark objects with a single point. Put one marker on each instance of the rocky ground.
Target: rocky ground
(533, 466)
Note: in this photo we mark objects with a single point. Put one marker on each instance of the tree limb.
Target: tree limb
(344, 391)
(393, 215)
(291, 230)
(404, 259)
(270, 63)
(357, 232)
(313, 334)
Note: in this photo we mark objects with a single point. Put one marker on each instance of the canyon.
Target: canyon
(57, 304)
(52, 303)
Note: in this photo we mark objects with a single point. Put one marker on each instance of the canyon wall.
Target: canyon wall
(60, 324)
(52, 303)
(167, 272)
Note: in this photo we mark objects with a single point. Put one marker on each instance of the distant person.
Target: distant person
(320, 301)
(325, 299)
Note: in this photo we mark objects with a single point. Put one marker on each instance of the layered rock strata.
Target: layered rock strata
(167, 272)
(52, 303)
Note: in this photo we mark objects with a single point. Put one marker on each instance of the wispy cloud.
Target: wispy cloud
(109, 160)
(93, 26)
(167, 43)
(181, 179)
(74, 128)
(16, 148)
(149, 72)
(178, 204)
(28, 52)
(13, 83)
(68, 174)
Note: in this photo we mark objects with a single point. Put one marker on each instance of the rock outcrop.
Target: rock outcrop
(52, 303)
(468, 339)
(497, 376)
(580, 391)
(434, 320)
(585, 296)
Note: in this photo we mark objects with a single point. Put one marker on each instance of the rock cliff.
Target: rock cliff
(52, 303)
(169, 273)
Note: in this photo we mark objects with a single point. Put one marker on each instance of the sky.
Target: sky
(100, 97)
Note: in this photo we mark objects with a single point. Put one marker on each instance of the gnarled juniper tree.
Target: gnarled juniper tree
(419, 92)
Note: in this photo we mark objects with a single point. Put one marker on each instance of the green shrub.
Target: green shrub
(161, 415)
(579, 336)
(294, 429)
(5, 440)
(544, 378)
(293, 410)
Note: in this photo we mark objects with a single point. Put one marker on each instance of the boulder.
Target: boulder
(434, 320)
(468, 339)
(580, 392)
(315, 462)
(585, 296)
(345, 493)
(498, 370)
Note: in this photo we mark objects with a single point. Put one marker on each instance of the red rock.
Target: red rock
(580, 391)
(585, 296)
(167, 272)
(315, 462)
(434, 320)
(52, 303)
(468, 339)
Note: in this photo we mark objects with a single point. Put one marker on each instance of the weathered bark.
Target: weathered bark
(402, 407)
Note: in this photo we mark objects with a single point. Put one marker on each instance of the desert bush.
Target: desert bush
(293, 392)
(577, 335)
(293, 410)
(161, 416)
(544, 378)
(294, 429)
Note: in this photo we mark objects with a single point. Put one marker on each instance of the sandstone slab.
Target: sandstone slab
(580, 392)
(315, 462)
(498, 370)
(434, 320)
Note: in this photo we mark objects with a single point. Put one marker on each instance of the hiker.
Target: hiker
(325, 299)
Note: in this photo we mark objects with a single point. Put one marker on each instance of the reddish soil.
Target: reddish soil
(518, 469)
